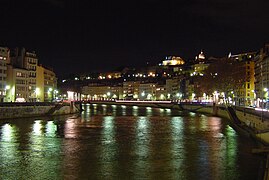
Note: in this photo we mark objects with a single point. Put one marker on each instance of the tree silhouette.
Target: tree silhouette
(222, 75)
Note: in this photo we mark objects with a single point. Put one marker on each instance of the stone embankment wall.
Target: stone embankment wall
(252, 118)
(19, 110)
(252, 122)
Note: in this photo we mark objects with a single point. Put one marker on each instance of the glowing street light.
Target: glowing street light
(7, 87)
(149, 96)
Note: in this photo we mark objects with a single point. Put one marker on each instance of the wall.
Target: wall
(7, 112)
(23, 111)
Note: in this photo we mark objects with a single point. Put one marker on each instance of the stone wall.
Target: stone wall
(23, 111)
(30, 110)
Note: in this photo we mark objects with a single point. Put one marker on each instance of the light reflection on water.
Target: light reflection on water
(122, 142)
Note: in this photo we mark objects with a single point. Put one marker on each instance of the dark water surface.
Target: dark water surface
(121, 142)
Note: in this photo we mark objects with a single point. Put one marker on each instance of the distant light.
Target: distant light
(7, 87)
(37, 91)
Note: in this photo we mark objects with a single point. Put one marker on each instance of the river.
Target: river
(125, 142)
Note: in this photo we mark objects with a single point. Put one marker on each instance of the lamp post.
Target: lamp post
(6, 92)
(55, 94)
(108, 95)
(264, 99)
(50, 94)
(37, 93)
(143, 95)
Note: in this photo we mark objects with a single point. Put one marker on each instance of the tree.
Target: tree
(222, 75)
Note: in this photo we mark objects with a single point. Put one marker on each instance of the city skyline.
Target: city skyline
(85, 36)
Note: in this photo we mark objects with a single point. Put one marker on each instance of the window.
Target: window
(19, 74)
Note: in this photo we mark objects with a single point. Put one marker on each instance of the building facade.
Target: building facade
(131, 89)
(147, 91)
(4, 61)
(27, 60)
(262, 75)
(246, 93)
(173, 88)
(17, 80)
(96, 92)
(46, 84)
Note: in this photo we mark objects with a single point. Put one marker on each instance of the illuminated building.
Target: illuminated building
(116, 92)
(4, 60)
(161, 93)
(147, 91)
(46, 84)
(17, 80)
(172, 88)
(173, 61)
(110, 75)
(27, 60)
(200, 64)
(101, 92)
(262, 74)
(200, 57)
(246, 93)
(131, 89)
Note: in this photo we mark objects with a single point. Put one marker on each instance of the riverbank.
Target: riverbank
(246, 121)
(22, 110)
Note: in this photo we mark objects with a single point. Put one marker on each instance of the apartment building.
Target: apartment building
(4, 60)
(46, 84)
(21, 58)
(131, 89)
(262, 74)
(18, 90)
(147, 91)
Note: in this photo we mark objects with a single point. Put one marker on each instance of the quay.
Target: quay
(35, 109)
(247, 121)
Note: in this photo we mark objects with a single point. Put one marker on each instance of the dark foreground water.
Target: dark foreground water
(120, 142)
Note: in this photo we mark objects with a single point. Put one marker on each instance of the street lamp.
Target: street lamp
(37, 92)
(6, 90)
(50, 94)
(264, 99)
(149, 96)
(7, 87)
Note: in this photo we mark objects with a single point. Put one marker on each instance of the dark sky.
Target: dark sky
(84, 36)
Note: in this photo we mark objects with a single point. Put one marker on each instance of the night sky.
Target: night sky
(83, 36)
